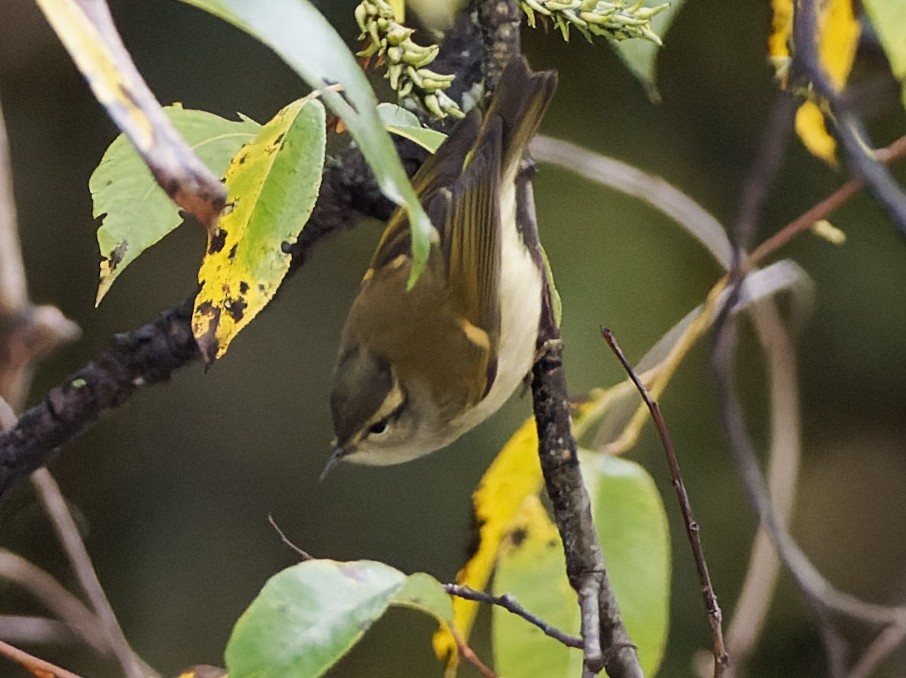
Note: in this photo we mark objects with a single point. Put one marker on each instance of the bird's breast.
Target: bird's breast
(520, 312)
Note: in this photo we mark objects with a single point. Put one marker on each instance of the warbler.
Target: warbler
(417, 368)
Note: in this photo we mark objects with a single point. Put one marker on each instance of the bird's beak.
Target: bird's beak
(339, 451)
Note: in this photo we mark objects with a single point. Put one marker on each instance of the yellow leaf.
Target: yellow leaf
(204, 671)
(273, 183)
(779, 39)
(838, 38)
(813, 133)
(514, 475)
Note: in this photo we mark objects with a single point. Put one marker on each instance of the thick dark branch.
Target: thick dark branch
(147, 355)
(607, 643)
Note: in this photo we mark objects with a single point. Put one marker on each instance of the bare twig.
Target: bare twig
(36, 631)
(607, 644)
(38, 667)
(885, 643)
(783, 467)
(509, 603)
(693, 529)
(27, 333)
(469, 655)
(35, 332)
(54, 597)
(68, 534)
(286, 541)
(821, 210)
(13, 292)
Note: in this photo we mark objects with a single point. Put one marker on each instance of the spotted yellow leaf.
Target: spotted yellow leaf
(514, 475)
(272, 185)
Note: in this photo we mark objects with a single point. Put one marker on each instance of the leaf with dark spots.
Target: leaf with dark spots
(206, 339)
(135, 209)
(518, 536)
(217, 240)
(236, 309)
(116, 255)
(273, 184)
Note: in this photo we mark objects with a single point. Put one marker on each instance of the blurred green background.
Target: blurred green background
(174, 489)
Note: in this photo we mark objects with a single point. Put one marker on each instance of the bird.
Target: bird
(419, 366)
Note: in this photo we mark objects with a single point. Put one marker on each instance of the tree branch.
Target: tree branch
(850, 130)
(153, 352)
(607, 644)
(508, 603)
(823, 600)
(693, 531)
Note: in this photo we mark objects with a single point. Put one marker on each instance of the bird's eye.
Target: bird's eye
(378, 428)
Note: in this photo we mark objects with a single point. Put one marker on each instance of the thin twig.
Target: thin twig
(885, 643)
(508, 603)
(822, 209)
(693, 529)
(783, 470)
(35, 630)
(469, 655)
(286, 541)
(54, 597)
(13, 291)
(37, 666)
(68, 533)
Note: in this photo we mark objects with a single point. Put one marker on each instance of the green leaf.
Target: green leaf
(272, 185)
(303, 38)
(308, 616)
(531, 567)
(399, 121)
(136, 211)
(632, 527)
(94, 45)
(889, 21)
(640, 56)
